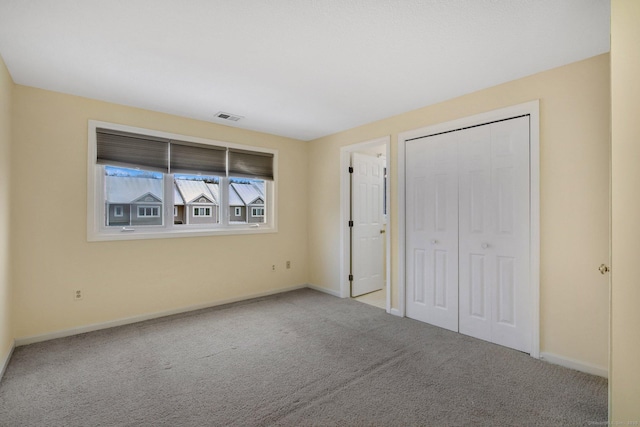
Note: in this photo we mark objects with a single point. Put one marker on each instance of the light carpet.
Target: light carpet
(294, 359)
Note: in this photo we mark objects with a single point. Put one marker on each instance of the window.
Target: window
(201, 211)
(137, 177)
(196, 190)
(148, 211)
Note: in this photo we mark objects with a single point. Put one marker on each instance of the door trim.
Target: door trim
(532, 109)
(345, 200)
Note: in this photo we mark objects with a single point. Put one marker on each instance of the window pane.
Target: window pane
(132, 197)
(196, 199)
(247, 201)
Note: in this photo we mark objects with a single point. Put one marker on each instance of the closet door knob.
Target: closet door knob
(604, 269)
(434, 241)
(485, 245)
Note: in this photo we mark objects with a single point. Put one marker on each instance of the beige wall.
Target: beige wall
(51, 255)
(624, 383)
(6, 327)
(574, 145)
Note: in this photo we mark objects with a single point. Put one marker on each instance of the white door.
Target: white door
(478, 220)
(367, 243)
(494, 233)
(432, 230)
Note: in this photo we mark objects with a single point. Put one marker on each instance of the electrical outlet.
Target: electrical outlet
(273, 267)
(288, 264)
(77, 295)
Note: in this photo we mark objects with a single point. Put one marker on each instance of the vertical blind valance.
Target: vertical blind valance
(119, 148)
(250, 164)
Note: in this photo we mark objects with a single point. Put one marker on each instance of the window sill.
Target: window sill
(142, 234)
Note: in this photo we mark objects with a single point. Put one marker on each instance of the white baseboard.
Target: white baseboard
(333, 292)
(4, 362)
(574, 364)
(135, 319)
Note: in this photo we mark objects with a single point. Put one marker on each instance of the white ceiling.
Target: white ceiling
(296, 68)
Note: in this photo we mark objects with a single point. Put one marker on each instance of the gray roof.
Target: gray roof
(128, 189)
(193, 190)
(215, 191)
(234, 199)
(177, 197)
(248, 193)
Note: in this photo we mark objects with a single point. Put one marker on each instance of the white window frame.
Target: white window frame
(175, 211)
(253, 211)
(198, 209)
(97, 230)
(118, 211)
(144, 212)
(237, 211)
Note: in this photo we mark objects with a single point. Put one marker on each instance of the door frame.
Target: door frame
(532, 109)
(345, 204)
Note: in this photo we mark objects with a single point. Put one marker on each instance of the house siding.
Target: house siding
(237, 218)
(213, 219)
(112, 219)
(143, 220)
(256, 219)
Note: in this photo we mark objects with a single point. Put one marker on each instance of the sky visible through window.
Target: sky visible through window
(139, 173)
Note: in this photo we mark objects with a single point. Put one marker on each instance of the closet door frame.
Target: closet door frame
(532, 109)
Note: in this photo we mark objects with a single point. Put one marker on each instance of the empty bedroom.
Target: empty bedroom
(336, 213)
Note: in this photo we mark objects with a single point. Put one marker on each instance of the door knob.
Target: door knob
(603, 269)
(434, 241)
(485, 245)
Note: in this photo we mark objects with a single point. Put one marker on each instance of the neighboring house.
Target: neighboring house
(138, 201)
(201, 205)
(214, 189)
(246, 202)
(237, 208)
(133, 201)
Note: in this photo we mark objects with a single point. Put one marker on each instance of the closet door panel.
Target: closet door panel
(510, 239)
(432, 230)
(476, 273)
(494, 232)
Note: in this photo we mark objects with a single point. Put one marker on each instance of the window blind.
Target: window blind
(126, 149)
(189, 157)
(250, 164)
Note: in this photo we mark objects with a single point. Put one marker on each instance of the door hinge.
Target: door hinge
(350, 223)
(350, 169)
(351, 277)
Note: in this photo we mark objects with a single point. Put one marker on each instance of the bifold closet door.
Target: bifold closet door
(467, 231)
(432, 230)
(494, 240)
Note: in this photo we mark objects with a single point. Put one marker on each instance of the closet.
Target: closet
(468, 231)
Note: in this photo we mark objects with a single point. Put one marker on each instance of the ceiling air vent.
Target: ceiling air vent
(227, 116)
